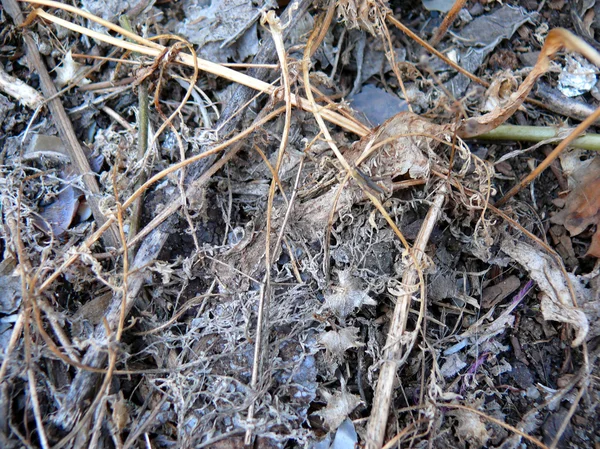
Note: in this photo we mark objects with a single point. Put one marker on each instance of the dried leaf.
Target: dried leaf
(582, 205)
(68, 71)
(339, 406)
(366, 15)
(60, 213)
(556, 301)
(346, 297)
(337, 342)
(556, 40)
(471, 429)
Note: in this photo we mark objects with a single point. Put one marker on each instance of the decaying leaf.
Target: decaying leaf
(557, 40)
(582, 205)
(556, 300)
(58, 215)
(338, 342)
(503, 85)
(68, 71)
(364, 14)
(470, 428)
(346, 297)
(339, 405)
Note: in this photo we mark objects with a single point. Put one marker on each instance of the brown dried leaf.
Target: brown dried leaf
(582, 205)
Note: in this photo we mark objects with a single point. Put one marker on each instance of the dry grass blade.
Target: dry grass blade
(261, 346)
(149, 48)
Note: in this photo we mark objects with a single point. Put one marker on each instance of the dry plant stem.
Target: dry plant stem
(450, 16)
(551, 157)
(136, 211)
(13, 224)
(63, 124)
(390, 55)
(20, 91)
(390, 18)
(261, 343)
(186, 59)
(557, 40)
(31, 383)
(394, 353)
(12, 343)
(117, 118)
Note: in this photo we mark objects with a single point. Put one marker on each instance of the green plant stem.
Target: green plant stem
(539, 134)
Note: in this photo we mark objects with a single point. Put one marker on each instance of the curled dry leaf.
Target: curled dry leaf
(338, 342)
(470, 428)
(57, 216)
(582, 205)
(346, 297)
(558, 39)
(365, 15)
(339, 405)
(68, 71)
(556, 300)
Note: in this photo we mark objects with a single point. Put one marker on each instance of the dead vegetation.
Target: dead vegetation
(234, 258)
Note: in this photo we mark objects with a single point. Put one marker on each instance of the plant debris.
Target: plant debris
(234, 224)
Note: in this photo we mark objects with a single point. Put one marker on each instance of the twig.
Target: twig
(394, 353)
(262, 334)
(450, 16)
(20, 91)
(64, 126)
(186, 59)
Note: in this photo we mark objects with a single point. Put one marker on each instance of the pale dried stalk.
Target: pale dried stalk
(260, 345)
(394, 354)
(20, 91)
(153, 49)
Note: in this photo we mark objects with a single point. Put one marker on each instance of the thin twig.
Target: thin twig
(64, 126)
(450, 16)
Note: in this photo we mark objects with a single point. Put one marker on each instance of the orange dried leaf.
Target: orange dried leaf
(582, 205)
